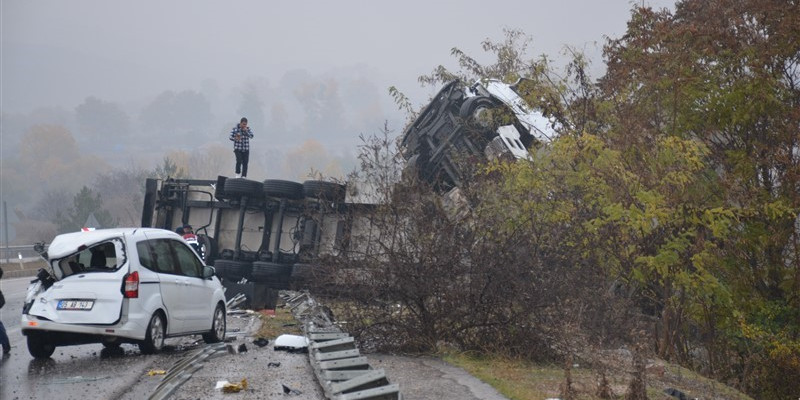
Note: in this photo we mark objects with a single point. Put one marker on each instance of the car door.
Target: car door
(199, 302)
(171, 285)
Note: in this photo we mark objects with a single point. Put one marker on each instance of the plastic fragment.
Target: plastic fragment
(153, 372)
(228, 387)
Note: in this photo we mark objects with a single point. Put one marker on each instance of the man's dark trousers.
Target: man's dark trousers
(242, 158)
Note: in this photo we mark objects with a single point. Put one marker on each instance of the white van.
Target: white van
(126, 285)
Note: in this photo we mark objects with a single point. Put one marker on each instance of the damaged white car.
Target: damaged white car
(126, 285)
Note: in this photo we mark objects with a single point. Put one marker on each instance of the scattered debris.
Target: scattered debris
(261, 342)
(154, 372)
(288, 390)
(273, 364)
(228, 387)
(235, 301)
(291, 343)
(242, 348)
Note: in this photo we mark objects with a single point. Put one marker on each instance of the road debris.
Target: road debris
(228, 387)
(291, 343)
(242, 348)
(288, 390)
(273, 364)
(154, 372)
(261, 342)
(235, 301)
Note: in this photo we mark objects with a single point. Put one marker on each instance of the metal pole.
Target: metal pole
(5, 227)
(277, 236)
(237, 246)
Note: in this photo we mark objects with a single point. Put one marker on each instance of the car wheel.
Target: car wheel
(217, 332)
(154, 338)
(283, 189)
(39, 346)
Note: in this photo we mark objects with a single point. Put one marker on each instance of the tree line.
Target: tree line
(666, 214)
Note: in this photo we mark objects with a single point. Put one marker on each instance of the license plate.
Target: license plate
(75, 304)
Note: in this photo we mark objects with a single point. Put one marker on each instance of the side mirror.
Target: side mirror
(208, 272)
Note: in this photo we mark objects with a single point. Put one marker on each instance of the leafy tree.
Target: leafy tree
(84, 204)
(725, 73)
(123, 194)
(169, 169)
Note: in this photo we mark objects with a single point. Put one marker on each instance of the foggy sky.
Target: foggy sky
(57, 52)
(322, 70)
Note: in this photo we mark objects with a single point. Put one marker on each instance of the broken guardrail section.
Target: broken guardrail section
(341, 370)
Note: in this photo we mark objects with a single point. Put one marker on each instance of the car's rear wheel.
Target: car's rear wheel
(217, 332)
(154, 338)
(39, 346)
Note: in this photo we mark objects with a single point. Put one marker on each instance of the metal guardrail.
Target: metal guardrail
(340, 369)
(13, 253)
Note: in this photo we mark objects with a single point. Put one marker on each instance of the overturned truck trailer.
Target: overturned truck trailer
(260, 237)
(464, 124)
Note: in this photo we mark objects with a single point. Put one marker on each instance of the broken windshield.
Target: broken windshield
(106, 256)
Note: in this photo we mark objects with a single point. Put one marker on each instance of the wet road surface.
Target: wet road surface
(92, 372)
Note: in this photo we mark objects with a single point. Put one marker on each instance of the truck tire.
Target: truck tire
(473, 103)
(301, 270)
(323, 190)
(283, 189)
(209, 247)
(232, 270)
(238, 187)
(272, 275)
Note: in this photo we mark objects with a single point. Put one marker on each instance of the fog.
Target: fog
(132, 82)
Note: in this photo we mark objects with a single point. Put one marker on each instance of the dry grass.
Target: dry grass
(279, 323)
(519, 380)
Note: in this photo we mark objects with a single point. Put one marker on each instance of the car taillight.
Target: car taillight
(131, 286)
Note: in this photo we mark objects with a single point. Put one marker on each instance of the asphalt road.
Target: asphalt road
(91, 372)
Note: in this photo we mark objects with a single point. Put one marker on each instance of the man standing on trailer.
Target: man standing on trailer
(241, 135)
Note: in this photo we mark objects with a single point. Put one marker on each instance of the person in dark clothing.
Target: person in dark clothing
(3, 336)
(241, 135)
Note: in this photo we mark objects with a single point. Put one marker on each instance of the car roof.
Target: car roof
(68, 243)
